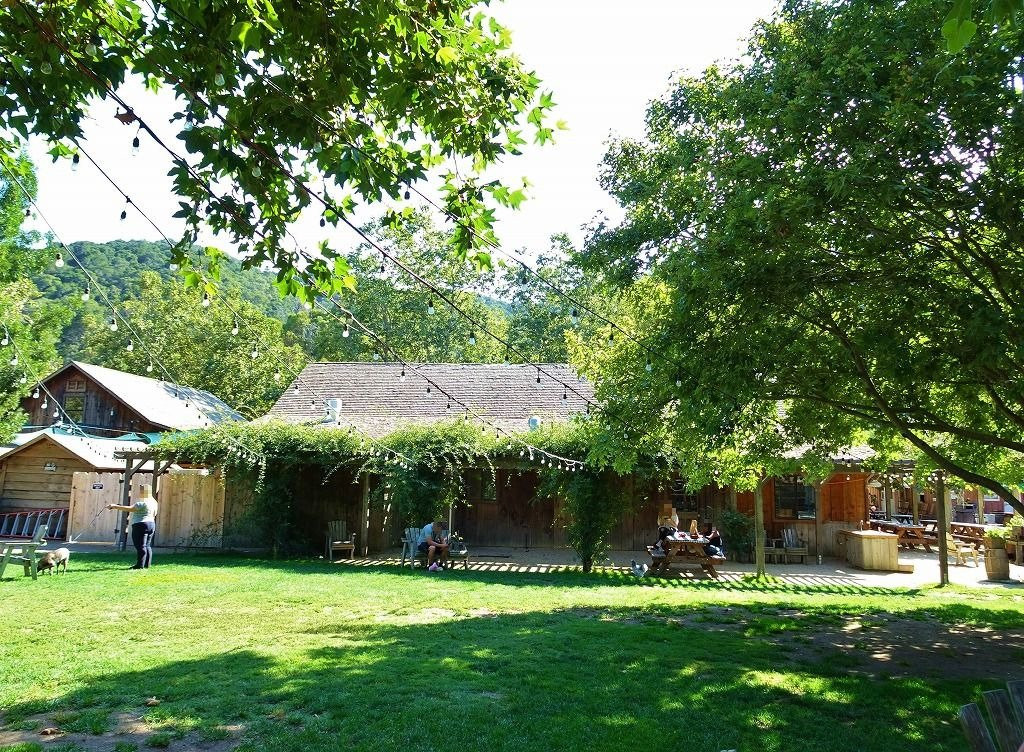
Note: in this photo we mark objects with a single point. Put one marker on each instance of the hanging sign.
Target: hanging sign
(97, 486)
(50, 467)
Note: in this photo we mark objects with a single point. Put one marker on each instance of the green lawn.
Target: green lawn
(304, 656)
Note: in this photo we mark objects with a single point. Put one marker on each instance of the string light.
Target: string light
(256, 171)
(149, 368)
(59, 260)
(74, 162)
(113, 323)
(135, 145)
(277, 375)
(648, 366)
(35, 394)
(206, 300)
(218, 79)
(472, 338)
(124, 212)
(255, 352)
(130, 346)
(46, 68)
(85, 294)
(14, 359)
(234, 329)
(430, 307)
(574, 317)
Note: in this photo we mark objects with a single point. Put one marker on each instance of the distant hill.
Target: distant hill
(117, 265)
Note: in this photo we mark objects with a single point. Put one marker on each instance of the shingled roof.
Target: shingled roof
(376, 399)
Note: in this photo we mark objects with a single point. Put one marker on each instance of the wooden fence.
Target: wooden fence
(191, 509)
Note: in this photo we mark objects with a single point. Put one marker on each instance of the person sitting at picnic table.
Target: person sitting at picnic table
(434, 543)
(715, 546)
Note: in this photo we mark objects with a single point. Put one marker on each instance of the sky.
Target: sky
(603, 59)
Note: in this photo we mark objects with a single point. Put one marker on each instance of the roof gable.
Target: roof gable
(94, 451)
(377, 400)
(172, 406)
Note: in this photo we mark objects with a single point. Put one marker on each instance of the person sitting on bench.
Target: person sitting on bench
(715, 547)
(658, 551)
(433, 542)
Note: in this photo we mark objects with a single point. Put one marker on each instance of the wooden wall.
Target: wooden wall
(191, 508)
(103, 410)
(25, 483)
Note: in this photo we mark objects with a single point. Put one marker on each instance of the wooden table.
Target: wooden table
(872, 549)
(23, 550)
(684, 551)
(909, 536)
(969, 532)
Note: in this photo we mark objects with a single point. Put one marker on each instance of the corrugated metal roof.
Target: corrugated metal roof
(159, 402)
(377, 401)
(95, 451)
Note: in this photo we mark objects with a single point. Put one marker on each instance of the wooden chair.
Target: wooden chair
(960, 551)
(23, 551)
(338, 539)
(410, 545)
(792, 545)
(772, 552)
(1006, 709)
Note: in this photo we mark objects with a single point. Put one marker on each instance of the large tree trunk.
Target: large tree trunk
(943, 523)
(759, 528)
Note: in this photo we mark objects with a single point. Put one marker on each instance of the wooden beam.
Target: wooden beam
(915, 502)
(364, 517)
(817, 518)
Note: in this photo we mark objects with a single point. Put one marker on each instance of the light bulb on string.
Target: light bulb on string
(75, 160)
(14, 359)
(428, 387)
(149, 368)
(648, 366)
(565, 398)
(6, 340)
(402, 376)
(86, 293)
(538, 375)
(135, 145)
(611, 338)
(206, 300)
(296, 390)
(407, 194)
(45, 68)
(35, 394)
(45, 404)
(58, 261)
(472, 338)
(255, 352)
(256, 171)
(430, 307)
(234, 329)
(130, 346)
(382, 270)
(376, 355)
(218, 79)
(90, 49)
(124, 212)
(679, 382)
(345, 332)
(277, 375)
(574, 317)
(23, 379)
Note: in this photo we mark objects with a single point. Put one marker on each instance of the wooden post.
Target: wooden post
(732, 498)
(941, 513)
(817, 517)
(981, 505)
(915, 503)
(364, 517)
(759, 527)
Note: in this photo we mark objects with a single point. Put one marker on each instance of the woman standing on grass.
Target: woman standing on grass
(142, 518)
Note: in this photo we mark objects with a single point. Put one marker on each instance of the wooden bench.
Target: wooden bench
(682, 553)
(1006, 709)
(411, 552)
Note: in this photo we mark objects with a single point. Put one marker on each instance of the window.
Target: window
(794, 499)
(479, 485)
(74, 407)
(683, 500)
(75, 385)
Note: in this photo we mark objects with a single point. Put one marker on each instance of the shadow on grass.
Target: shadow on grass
(559, 680)
(564, 578)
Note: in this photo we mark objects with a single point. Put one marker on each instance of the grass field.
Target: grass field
(287, 656)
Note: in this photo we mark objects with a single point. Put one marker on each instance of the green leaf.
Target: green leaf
(447, 55)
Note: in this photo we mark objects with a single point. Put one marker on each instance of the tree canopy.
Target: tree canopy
(822, 246)
(364, 100)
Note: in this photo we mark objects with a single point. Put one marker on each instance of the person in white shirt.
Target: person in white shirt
(142, 518)
(434, 543)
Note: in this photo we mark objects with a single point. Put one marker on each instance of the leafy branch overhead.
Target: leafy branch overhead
(364, 101)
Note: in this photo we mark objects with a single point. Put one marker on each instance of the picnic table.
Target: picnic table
(969, 532)
(22, 550)
(684, 550)
(908, 536)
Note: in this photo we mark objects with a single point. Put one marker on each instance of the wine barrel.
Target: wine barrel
(997, 564)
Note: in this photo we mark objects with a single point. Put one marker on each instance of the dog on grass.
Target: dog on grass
(52, 561)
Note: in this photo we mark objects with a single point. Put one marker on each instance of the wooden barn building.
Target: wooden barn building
(502, 509)
(98, 411)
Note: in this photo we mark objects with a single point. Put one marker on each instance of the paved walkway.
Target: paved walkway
(829, 572)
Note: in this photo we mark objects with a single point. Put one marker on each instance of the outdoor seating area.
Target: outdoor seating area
(24, 552)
